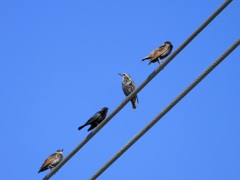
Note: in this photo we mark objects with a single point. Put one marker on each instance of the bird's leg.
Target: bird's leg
(51, 166)
(160, 62)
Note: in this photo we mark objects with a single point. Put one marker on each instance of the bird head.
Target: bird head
(125, 76)
(168, 42)
(60, 150)
(105, 109)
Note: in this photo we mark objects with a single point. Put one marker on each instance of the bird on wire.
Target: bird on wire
(52, 161)
(96, 119)
(128, 87)
(159, 53)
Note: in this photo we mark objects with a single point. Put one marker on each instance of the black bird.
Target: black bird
(96, 119)
(160, 53)
(52, 161)
(128, 87)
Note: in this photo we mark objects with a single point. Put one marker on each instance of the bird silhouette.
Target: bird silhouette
(159, 53)
(52, 161)
(128, 87)
(96, 119)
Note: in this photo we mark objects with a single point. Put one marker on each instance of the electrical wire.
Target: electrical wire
(165, 110)
(145, 82)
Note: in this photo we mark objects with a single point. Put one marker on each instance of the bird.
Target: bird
(96, 119)
(159, 53)
(128, 87)
(52, 161)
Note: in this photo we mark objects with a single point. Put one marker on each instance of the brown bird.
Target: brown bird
(160, 53)
(52, 161)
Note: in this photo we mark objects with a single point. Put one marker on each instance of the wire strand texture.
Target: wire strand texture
(165, 110)
(145, 82)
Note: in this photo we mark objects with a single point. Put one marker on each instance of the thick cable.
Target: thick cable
(145, 82)
(165, 110)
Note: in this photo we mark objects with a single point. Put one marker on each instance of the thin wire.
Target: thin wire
(128, 98)
(162, 113)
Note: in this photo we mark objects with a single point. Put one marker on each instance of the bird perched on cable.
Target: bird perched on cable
(128, 87)
(52, 161)
(96, 119)
(160, 53)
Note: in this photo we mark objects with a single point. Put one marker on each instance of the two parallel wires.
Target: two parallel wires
(136, 91)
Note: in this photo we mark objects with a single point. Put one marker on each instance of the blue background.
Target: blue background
(58, 66)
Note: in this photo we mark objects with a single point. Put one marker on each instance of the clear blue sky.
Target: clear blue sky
(58, 65)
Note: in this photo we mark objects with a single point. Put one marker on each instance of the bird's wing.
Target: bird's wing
(129, 88)
(57, 159)
(151, 55)
(48, 161)
(167, 51)
(157, 52)
(94, 117)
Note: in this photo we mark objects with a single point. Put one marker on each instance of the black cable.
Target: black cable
(165, 110)
(128, 98)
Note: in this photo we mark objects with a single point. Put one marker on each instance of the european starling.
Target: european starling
(160, 53)
(52, 161)
(96, 119)
(128, 87)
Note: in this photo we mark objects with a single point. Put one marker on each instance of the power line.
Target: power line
(128, 98)
(165, 110)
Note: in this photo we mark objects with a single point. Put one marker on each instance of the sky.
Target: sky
(58, 66)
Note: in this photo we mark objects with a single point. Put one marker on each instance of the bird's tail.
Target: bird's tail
(150, 62)
(134, 106)
(41, 170)
(147, 57)
(81, 127)
(91, 127)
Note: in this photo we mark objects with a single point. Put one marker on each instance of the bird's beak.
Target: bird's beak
(62, 149)
(119, 74)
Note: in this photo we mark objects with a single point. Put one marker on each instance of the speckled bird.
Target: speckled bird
(160, 53)
(52, 161)
(128, 87)
(96, 119)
